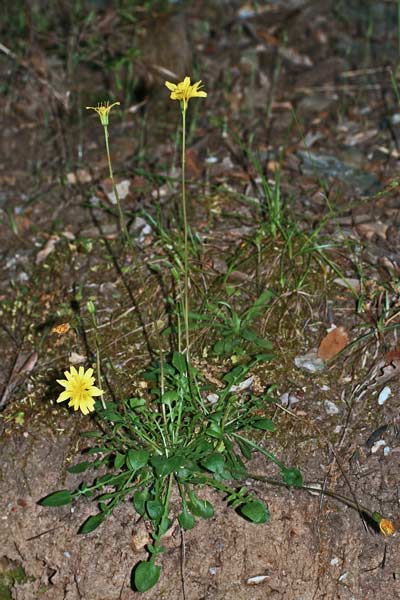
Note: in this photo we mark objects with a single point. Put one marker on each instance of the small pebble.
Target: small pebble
(309, 362)
(331, 407)
(213, 398)
(377, 445)
(243, 385)
(384, 395)
(256, 579)
(288, 400)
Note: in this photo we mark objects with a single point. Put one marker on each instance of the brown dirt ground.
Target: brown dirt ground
(313, 548)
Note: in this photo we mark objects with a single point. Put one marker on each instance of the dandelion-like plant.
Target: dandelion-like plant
(171, 436)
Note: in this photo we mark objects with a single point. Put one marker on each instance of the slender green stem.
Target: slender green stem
(98, 369)
(120, 212)
(185, 237)
(96, 338)
(257, 447)
(164, 517)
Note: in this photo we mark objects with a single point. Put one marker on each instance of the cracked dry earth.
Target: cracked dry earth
(313, 548)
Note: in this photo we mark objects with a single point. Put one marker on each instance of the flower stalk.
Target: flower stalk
(185, 235)
(386, 526)
(103, 111)
(183, 92)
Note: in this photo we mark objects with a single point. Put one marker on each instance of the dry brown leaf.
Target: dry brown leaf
(392, 356)
(333, 343)
(47, 249)
(61, 329)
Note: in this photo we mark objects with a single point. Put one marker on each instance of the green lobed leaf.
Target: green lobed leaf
(187, 470)
(249, 335)
(169, 397)
(235, 467)
(201, 508)
(136, 459)
(146, 575)
(104, 479)
(256, 511)
(154, 509)
(136, 402)
(179, 362)
(91, 434)
(245, 449)
(186, 519)
(59, 498)
(97, 450)
(105, 497)
(225, 346)
(214, 462)
(265, 344)
(113, 416)
(198, 316)
(139, 501)
(236, 374)
(265, 357)
(79, 467)
(164, 466)
(292, 477)
(119, 460)
(92, 523)
(264, 424)
(164, 526)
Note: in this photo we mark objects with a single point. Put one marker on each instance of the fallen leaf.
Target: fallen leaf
(392, 355)
(123, 188)
(80, 176)
(61, 329)
(47, 249)
(76, 359)
(333, 343)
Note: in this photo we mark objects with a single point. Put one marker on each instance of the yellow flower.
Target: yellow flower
(387, 527)
(183, 91)
(103, 110)
(80, 389)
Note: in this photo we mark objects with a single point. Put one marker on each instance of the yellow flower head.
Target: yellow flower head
(387, 527)
(103, 110)
(183, 91)
(79, 389)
